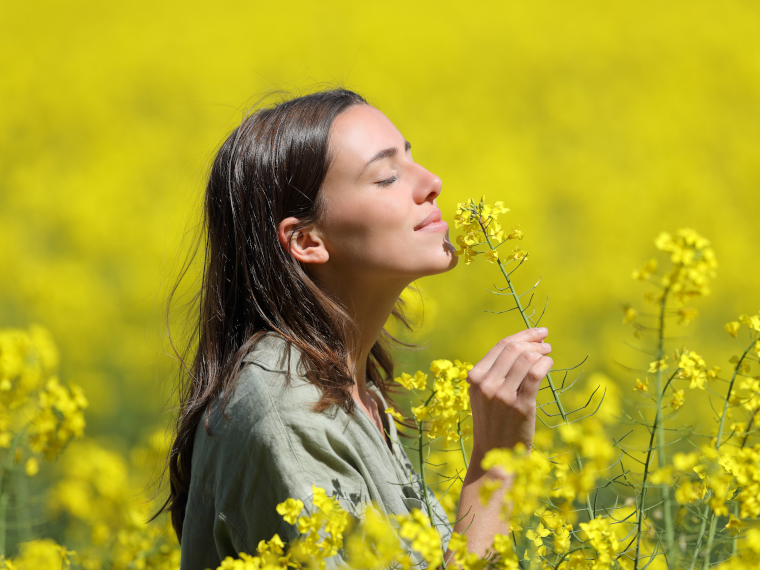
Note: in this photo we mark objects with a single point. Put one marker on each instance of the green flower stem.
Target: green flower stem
(664, 488)
(640, 513)
(569, 552)
(5, 492)
(529, 325)
(24, 506)
(420, 450)
(713, 518)
(461, 443)
(422, 470)
(735, 508)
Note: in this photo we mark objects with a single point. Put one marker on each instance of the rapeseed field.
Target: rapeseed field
(600, 126)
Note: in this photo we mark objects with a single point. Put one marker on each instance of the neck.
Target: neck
(369, 303)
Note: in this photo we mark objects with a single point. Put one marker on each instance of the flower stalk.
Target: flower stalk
(718, 443)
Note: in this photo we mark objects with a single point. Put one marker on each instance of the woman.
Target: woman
(317, 219)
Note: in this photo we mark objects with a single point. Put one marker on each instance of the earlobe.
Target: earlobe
(305, 245)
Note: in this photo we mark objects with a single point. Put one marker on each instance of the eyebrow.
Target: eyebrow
(385, 153)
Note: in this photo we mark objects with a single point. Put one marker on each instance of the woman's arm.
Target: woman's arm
(503, 388)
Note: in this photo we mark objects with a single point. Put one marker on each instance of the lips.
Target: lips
(432, 217)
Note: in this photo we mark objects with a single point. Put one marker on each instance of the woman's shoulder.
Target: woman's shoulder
(266, 424)
(270, 388)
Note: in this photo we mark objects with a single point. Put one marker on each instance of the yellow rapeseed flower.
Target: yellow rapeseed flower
(686, 315)
(646, 270)
(752, 322)
(537, 536)
(425, 539)
(416, 382)
(394, 414)
(691, 366)
(290, 509)
(658, 365)
(630, 314)
(732, 328)
(31, 467)
(677, 401)
(641, 386)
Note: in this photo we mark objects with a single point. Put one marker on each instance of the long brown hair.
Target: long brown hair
(270, 167)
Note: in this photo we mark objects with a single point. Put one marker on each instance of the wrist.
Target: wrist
(476, 474)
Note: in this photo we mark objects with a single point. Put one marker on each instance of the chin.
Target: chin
(442, 264)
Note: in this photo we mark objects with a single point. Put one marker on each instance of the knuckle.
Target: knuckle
(536, 375)
(475, 375)
(488, 392)
(530, 356)
(528, 409)
(508, 400)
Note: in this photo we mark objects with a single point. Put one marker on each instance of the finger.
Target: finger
(530, 385)
(527, 335)
(511, 354)
(510, 383)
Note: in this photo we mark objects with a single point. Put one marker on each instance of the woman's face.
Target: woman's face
(380, 219)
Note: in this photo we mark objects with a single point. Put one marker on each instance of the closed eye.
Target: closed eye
(387, 181)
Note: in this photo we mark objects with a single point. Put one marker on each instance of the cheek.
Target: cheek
(368, 229)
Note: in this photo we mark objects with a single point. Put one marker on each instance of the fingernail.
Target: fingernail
(543, 330)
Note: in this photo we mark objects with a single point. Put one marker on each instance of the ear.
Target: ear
(306, 245)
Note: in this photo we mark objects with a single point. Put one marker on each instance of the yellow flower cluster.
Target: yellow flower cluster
(416, 382)
(32, 400)
(101, 494)
(530, 481)
(603, 540)
(375, 544)
(721, 475)
(41, 554)
(480, 226)
(322, 530)
(416, 528)
(270, 556)
(534, 478)
(27, 358)
(321, 537)
(744, 466)
(749, 555)
(752, 322)
(468, 561)
(693, 265)
(596, 451)
(691, 367)
(449, 399)
(144, 545)
(59, 418)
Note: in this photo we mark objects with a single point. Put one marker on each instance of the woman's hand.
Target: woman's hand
(503, 388)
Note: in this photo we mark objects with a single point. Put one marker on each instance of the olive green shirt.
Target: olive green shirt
(270, 446)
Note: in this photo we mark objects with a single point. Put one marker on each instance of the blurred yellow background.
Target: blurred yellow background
(599, 124)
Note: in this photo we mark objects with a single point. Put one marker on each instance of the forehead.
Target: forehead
(358, 134)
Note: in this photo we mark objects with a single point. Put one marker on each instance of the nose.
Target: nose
(428, 187)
